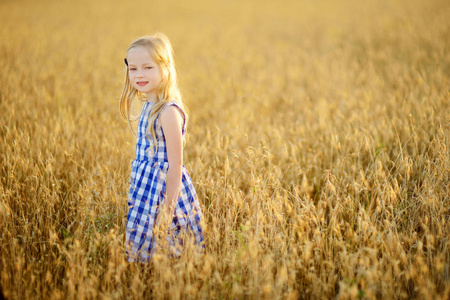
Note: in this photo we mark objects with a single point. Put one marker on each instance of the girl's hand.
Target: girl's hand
(165, 216)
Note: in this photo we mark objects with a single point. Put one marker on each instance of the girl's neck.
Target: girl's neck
(151, 98)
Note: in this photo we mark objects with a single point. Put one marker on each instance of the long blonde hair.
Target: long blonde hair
(160, 49)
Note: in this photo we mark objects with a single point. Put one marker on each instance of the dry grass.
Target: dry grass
(318, 144)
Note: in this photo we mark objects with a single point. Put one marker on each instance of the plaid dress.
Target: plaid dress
(147, 190)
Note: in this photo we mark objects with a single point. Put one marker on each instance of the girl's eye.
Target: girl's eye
(132, 69)
(148, 68)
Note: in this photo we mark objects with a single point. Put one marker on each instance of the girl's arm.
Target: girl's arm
(171, 123)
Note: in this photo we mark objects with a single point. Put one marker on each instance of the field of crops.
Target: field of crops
(318, 143)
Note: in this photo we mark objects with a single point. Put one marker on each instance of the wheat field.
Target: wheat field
(318, 143)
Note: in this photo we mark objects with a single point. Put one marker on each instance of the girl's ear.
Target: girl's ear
(126, 61)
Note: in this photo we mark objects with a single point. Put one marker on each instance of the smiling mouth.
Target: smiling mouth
(141, 83)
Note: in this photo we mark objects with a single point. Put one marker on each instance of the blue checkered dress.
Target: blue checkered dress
(147, 190)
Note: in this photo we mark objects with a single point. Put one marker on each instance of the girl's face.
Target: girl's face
(143, 72)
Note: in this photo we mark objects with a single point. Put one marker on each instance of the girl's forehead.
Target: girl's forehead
(139, 53)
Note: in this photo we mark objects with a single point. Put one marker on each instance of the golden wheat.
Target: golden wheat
(318, 144)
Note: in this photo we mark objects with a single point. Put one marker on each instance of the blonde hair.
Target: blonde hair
(160, 49)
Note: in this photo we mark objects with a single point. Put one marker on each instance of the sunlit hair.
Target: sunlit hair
(160, 49)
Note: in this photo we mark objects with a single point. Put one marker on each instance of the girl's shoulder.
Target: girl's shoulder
(177, 105)
(171, 112)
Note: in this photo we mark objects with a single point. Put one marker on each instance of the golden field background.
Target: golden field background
(318, 144)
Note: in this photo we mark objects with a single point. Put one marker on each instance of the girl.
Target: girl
(161, 190)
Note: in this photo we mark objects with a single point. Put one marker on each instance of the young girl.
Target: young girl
(161, 191)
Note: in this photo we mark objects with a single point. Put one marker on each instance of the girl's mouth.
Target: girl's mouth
(142, 83)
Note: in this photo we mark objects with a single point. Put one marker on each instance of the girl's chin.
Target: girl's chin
(141, 89)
